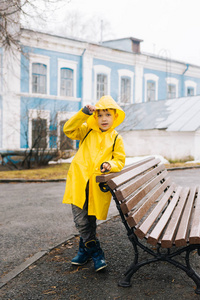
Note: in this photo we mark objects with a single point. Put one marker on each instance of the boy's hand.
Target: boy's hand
(105, 167)
(91, 108)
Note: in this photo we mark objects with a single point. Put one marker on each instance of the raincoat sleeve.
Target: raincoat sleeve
(76, 128)
(118, 161)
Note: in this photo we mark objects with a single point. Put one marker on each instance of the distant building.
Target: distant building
(54, 76)
(170, 128)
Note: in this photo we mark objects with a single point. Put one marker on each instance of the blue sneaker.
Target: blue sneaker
(82, 256)
(93, 248)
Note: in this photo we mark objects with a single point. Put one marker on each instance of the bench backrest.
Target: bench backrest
(145, 192)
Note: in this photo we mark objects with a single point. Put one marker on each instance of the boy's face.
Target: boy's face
(105, 118)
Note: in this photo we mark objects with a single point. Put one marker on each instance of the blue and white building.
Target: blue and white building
(54, 76)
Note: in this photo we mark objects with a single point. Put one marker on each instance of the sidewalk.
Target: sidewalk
(53, 276)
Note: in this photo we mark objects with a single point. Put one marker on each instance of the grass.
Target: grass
(57, 171)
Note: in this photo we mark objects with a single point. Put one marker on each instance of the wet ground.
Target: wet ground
(53, 276)
(33, 219)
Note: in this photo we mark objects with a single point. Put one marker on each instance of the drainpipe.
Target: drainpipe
(82, 55)
(187, 67)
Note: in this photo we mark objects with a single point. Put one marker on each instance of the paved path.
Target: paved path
(33, 218)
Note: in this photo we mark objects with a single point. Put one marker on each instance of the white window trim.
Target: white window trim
(101, 69)
(127, 73)
(174, 81)
(39, 59)
(63, 116)
(154, 78)
(190, 83)
(62, 63)
(34, 114)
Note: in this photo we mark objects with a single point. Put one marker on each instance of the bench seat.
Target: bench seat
(153, 207)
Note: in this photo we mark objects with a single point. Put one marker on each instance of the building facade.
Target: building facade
(52, 77)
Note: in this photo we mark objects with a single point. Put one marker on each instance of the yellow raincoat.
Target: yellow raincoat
(95, 149)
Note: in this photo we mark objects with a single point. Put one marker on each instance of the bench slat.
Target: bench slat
(167, 239)
(155, 234)
(130, 203)
(123, 178)
(194, 237)
(107, 177)
(124, 192)
(137, 216)
(181, 236)
(142, 230)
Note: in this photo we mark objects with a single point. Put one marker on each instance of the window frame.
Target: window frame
(63, 116)
(42, 140)
(129, 74)
(99, 84)
(35, 114)
(151, 77)
(66, 79)
(171, 93)
(66, 64)
(172, 81)
(40, 59)
(190, 84)
(39, 76)
(101, 69)
(151, 81)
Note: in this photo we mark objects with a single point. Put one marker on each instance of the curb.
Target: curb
(28, 262)
(23, 266)
(21, 180)
(183, 168)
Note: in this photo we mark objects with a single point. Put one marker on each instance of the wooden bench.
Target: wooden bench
(154, 208)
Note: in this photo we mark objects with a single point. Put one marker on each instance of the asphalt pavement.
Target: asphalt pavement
(35, 224)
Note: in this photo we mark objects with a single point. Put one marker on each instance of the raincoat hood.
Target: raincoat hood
(107, 102)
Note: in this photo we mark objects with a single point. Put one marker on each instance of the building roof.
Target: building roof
(180, 114)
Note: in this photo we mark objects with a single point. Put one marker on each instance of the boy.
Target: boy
(101, 150)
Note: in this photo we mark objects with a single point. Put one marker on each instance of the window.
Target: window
(125, 96)
(102, 84)
(125, 86)
(151, 87)
(67, 78)
(101, 81)
(65, 142)
(172, 87)
(39, 133)
(190, 88)
(66, 82)
(151, 90)
(190, 91)
(39, 78)
(171, 91)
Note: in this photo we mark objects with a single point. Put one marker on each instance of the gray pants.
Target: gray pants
(85, 224)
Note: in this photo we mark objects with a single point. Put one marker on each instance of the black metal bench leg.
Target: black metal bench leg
(195, 277)
(125, 282)
(191, 273)
(187, 269)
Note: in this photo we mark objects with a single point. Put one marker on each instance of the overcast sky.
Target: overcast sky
(167, 27)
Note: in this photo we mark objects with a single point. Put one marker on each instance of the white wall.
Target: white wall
(11, 100)
(171, 145)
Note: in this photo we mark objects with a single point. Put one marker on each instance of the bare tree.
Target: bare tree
(43, 135)
(76, 25)
(28, 12)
